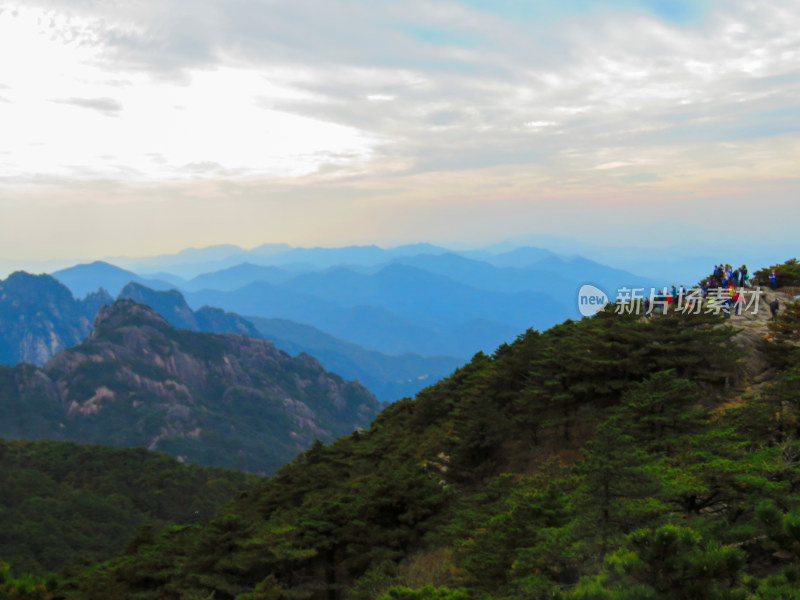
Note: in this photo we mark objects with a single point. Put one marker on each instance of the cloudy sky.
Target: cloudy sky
(146, 126)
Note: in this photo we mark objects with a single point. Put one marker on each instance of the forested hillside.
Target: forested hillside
(615, 457)
(65, 504)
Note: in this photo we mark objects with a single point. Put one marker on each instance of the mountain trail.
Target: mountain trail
(753, 328)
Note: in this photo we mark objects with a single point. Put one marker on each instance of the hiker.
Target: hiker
(743, 276)
(773, 308)
(726, 307)
(738, 299)
(773, 279)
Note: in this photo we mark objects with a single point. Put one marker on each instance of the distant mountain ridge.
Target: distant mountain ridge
(213, 399)
(55, 320)
(419, 298)
(389, 377)
(172, 306)
(85, 278)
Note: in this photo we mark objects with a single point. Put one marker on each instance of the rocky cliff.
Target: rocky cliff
(216, 399)
(39, 316)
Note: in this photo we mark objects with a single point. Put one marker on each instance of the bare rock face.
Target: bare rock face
(217, 399)
(39, 317)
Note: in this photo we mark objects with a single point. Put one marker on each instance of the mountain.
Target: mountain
(39, 316)
(85, 278)
(84, 502)
(524, 256)
(577, 270)
(214, 399)
(389, 377)
(396, 310)
(372, 327)
(194, 262)
(485, 276)
(236, 277)
(186, 263)
(172, 306)
(616, 457)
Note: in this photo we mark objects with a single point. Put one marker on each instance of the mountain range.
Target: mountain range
(39, 316)
(420, 299)
(213, 399)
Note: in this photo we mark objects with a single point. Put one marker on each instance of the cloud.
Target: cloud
(402, 101)
(107, 106)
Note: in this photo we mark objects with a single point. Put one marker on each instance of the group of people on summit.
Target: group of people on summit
(725, 276)
(722, 291)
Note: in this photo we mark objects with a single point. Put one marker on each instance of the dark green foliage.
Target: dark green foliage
(784, 338)
(24, 587)
(788, 274)
(61, 503)
(611, 458)
(427, 593)
(670, 563)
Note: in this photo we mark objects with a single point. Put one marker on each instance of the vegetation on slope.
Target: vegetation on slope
(615, 458)
(62, 503)
(455, 487)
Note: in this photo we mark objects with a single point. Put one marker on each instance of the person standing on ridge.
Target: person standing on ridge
(773, 308)
(773, 279)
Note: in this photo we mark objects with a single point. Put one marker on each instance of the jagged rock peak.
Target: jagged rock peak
(126, 313)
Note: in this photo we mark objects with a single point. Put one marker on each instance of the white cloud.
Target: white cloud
(324, 92)
(106, 106)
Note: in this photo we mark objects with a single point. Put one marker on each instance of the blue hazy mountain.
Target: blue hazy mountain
(389, 377)
(85, 278)
(398, 309)
(173, 307)
(237, 277)
(503, 255)
(187, 259)
(323, 258)
(193, 262)
(483, 275)
(418, 298)
(39, 316)
(374, 327)
(427, 298)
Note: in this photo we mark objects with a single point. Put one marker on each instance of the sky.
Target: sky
(143, 127)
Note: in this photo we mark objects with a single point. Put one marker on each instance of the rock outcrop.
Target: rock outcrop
(216, 399)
